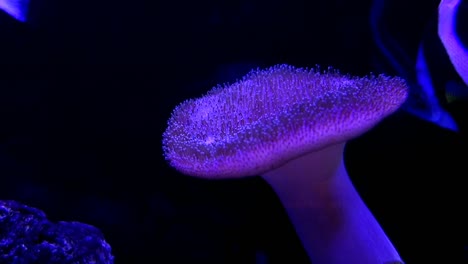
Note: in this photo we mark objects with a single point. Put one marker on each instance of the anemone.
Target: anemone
(290, 126)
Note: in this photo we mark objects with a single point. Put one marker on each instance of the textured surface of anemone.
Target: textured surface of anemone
(274, 115)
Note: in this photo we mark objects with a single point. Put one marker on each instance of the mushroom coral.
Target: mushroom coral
(290, 126)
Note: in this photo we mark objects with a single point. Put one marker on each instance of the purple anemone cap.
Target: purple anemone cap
(272, 116)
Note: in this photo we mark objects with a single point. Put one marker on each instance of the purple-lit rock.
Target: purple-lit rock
(27, 236)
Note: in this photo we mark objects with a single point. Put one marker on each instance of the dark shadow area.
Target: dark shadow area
(86, 89)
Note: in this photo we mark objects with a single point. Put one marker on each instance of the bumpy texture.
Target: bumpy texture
(27, 237)
(272, 116)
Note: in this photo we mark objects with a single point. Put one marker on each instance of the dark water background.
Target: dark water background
(87, 87)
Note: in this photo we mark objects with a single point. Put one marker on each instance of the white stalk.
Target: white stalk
(330, 218)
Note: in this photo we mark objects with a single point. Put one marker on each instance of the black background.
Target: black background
(87, 86)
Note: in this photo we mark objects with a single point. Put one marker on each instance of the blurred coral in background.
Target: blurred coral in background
(429, 70)
(16, 8)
